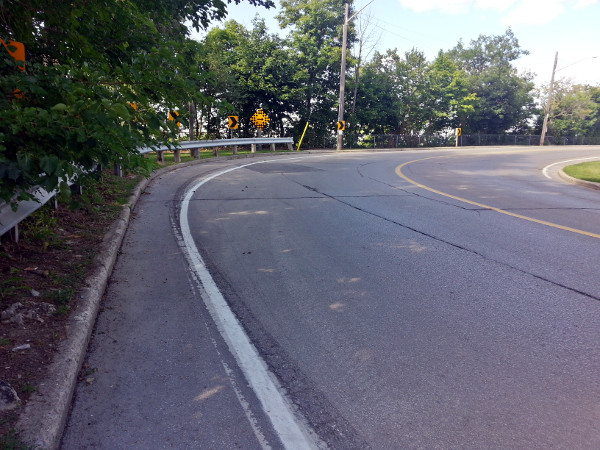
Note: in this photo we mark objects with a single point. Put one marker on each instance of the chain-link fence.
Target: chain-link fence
(382, 141)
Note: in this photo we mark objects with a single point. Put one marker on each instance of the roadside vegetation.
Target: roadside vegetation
(39, 280)
(103, 77)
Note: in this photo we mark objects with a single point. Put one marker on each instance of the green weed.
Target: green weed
(28, 388)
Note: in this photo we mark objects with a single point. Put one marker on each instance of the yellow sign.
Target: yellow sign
(174, 115)
(260, 119)
(459, 131)
(233, 122)
(341, 125)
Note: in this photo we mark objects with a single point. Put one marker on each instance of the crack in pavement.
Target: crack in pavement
(453, 244)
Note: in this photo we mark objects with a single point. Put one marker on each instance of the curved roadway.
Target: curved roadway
(432, 299)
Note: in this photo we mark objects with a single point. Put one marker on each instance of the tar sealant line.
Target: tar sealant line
(294, 434)
(545, 169)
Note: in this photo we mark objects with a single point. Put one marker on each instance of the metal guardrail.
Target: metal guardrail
(222, 143)
(477, 140)
(9, 219)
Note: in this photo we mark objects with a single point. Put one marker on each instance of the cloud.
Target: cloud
(514, 12)
(534, 12)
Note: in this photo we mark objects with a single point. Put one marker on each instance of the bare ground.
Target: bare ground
(47, 267)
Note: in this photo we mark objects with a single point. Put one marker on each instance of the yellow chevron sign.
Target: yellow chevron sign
(174, 115)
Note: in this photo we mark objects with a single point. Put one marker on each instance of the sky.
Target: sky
(542, 27)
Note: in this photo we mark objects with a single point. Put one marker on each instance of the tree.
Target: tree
(505, 100)
(366, 42)
(89, 62)
(315, 42)
(377, 109)
(575, 109)
(409, 95)
(266, 78)
(451, 100)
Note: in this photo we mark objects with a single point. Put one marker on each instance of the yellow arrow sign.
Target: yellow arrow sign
(459, 131)
(260, 119)
(233, 122)
(341, 125)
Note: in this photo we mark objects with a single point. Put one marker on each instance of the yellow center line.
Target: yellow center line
(482, 205)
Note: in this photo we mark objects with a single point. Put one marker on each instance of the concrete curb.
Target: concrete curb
(42, 420)
(570, 179)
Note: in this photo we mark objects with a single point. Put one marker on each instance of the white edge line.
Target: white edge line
(292, 432)
(545, 169)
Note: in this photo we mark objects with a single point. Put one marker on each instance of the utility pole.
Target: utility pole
(549, 105)
(340, 136)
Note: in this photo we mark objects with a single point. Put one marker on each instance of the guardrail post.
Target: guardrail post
(13, 233)
(118, 170)
(77, 189)
(272, 147)
(235, 149)
(215, 151)
(160, 157)
(177, 156)
(253, 148)
(290, 147)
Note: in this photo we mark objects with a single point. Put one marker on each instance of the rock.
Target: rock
(40, 272)
(19, 312)
(21, 347)
(8, 397)
(9, 313)
(34, 293)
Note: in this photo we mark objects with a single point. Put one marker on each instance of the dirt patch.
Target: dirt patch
(40, 277)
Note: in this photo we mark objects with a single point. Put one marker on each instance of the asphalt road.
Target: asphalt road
(431, 299)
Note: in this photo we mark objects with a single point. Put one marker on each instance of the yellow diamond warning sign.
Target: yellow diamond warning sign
(260, 119)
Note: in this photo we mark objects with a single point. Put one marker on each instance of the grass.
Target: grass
(588, 171)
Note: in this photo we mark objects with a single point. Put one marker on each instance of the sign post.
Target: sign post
(234, 124)
(260, 119)
(174, 115)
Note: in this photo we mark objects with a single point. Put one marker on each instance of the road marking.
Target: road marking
(294, 434)
(482, 205)
(546, 169)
